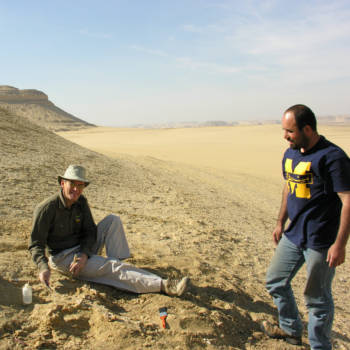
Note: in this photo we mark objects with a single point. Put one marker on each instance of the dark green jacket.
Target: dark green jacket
(58, 228)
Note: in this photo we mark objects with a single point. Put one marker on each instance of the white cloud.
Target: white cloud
(208, 66)
(192, 28)
(95, 35)
(154, 52)
(314, 45)
(256, 40)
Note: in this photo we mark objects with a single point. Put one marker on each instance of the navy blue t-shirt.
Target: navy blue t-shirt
(314, 178)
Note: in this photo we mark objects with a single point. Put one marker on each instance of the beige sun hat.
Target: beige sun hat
(75, 173)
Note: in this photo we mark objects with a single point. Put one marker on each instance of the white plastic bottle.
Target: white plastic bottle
(27, 294)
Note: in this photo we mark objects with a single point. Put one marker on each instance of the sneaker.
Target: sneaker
(273, 331)
(175, 287)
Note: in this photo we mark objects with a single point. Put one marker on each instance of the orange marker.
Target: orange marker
(163, 315)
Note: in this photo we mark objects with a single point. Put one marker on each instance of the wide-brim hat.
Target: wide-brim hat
(75, 173)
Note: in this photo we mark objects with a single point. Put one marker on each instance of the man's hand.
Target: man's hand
(282, 216)
(336, 255)
(78, 264)
(336, 252)
(277, 234)
(44, 277)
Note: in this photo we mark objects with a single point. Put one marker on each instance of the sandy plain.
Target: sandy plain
(253, 150)
(200, 202)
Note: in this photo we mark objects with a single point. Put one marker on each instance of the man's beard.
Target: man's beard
(304, 143)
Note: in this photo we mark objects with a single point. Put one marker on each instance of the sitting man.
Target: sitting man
(64, 224)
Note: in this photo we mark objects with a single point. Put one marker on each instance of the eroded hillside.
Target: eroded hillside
(36, 106)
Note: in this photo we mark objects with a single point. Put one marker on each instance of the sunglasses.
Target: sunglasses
(77, 186)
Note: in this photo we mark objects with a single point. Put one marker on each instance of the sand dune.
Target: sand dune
(191, 203)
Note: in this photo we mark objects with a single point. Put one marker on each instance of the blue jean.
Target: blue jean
(284, 265)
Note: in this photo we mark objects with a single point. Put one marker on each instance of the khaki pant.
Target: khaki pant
(110, 270)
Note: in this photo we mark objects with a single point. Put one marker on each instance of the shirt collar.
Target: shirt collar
(62, 202)
(320, 144)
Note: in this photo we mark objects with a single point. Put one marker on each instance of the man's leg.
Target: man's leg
(318, 297)
(110, 233)
(110, 271)
(284, 265)
(113, 272)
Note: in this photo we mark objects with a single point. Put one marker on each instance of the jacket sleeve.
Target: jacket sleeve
(42, 219)
(89, 232)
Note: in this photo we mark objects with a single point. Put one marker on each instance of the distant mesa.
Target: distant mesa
(36, 106)
(182, 125)
(196, 124)
(334, 120)
(11, 94)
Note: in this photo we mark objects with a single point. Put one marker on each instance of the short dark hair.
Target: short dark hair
(303, 116)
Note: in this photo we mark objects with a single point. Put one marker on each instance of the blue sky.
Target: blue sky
(121, 63)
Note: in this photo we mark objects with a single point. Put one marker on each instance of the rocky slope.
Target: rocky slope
(36, 106)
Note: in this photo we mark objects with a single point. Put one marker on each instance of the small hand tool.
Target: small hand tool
(163, 315)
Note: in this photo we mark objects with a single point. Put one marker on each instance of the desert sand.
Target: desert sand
(198, 202)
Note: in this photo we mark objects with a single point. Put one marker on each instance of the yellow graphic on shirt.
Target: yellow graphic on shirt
(299, 179)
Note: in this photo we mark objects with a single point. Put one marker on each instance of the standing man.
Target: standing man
(316, 200)
(63, 223)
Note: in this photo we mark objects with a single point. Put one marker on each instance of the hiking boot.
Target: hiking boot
(174, 287)
(273, 331)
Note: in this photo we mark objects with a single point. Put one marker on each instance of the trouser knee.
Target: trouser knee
(110, 220)
(272, 280)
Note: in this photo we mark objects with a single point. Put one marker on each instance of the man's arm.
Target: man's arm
(89, 230)
(37, 243)
(282, 216)
(87, 241)
(336, 252)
